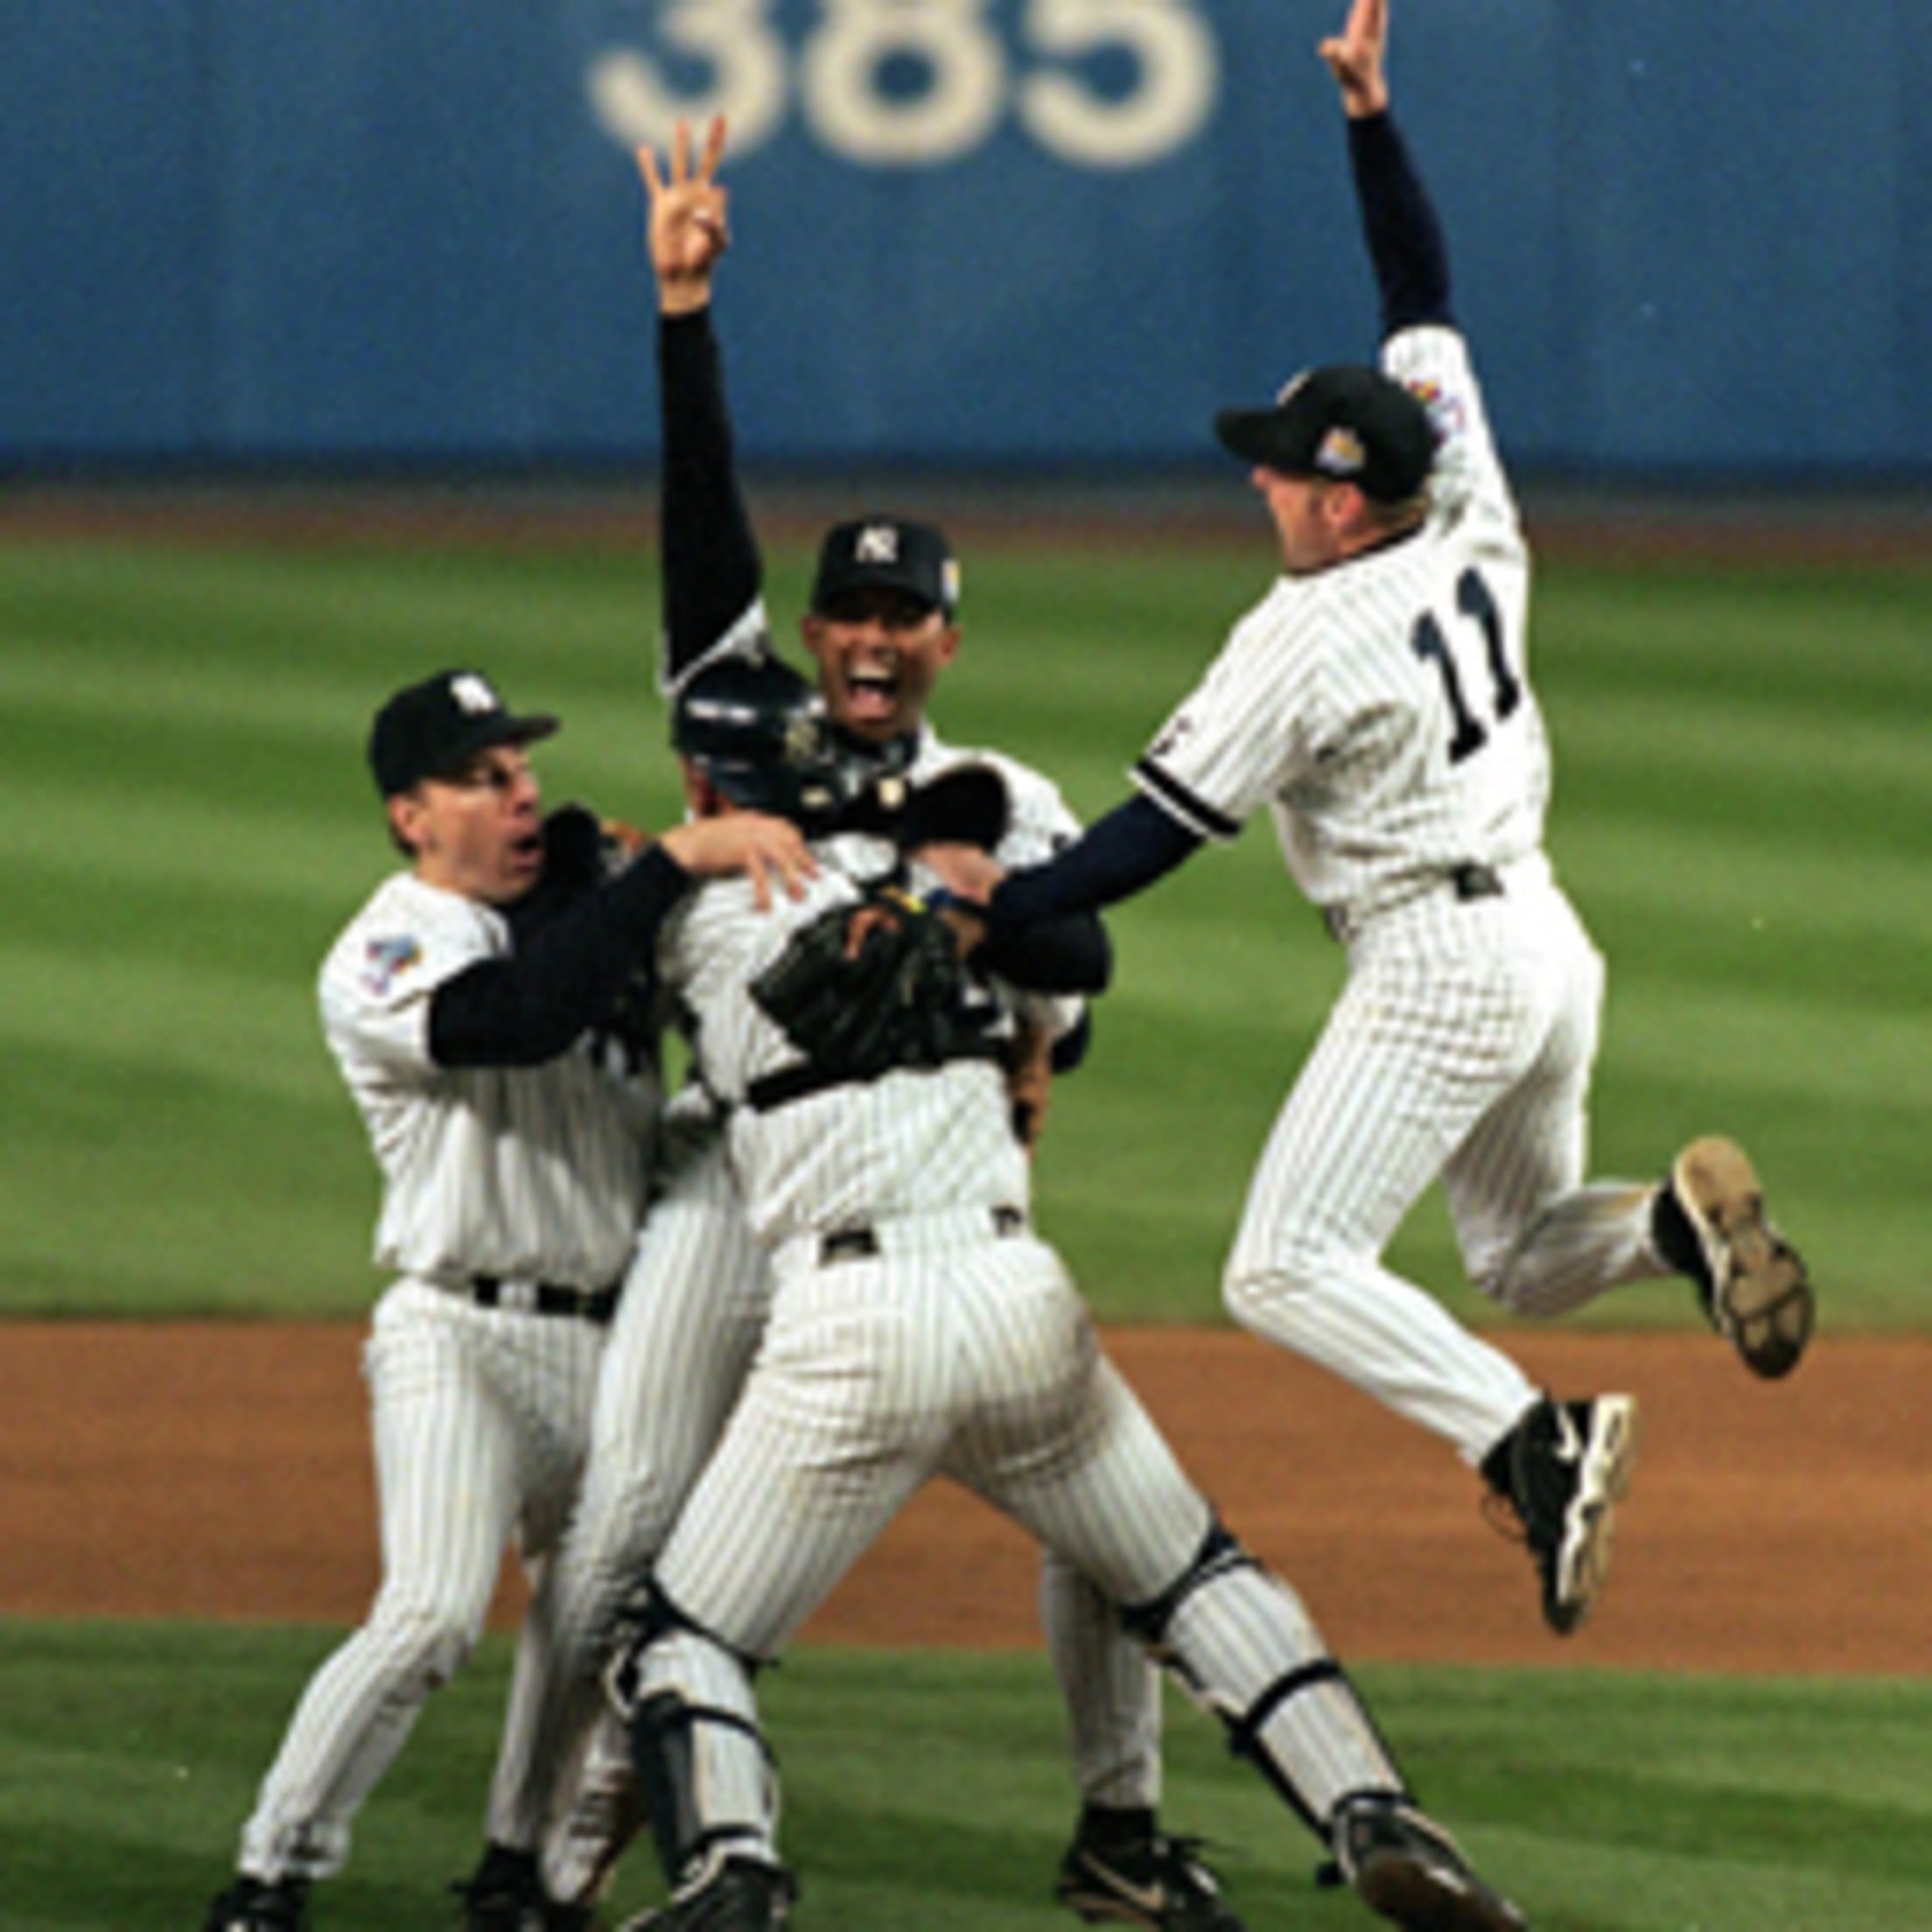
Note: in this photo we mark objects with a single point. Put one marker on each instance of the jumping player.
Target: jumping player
(512, 1115)
(1378, 701)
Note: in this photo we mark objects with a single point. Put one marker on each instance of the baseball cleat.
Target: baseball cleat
(258, 1905)
(730, 1895)
(1751, 1281)
(503, 1895)
(1563, 1470)
(1406, 1867)
(1152, 1880)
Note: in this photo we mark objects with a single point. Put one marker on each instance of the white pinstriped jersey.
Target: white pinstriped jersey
(1380, 708)
(524, 1173)
(910, 1142)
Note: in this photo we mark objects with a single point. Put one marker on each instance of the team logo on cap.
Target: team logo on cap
(877, 544)
(473, 695)
(1340, 453)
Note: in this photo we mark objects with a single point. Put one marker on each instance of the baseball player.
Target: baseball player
(919, 1326)
(511, 1111)
(883, 624)
(1378, 701)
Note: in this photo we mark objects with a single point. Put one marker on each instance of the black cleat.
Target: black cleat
(1562, 1471)
(732, 1895)
(1406, 1867)
(1149, 1880)
(259, 1905)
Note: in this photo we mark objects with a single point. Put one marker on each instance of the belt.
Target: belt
(542, 1298)
(1467, 880)
(862, 1244)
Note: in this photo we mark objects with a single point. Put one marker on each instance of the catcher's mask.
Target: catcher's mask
(759, 731)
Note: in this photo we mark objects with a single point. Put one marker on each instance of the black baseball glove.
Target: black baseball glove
(870, 987)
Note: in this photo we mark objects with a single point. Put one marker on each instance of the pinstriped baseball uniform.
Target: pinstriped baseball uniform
(677, 1352)
(1382, 709)
(918, 1327)
(480, 1414)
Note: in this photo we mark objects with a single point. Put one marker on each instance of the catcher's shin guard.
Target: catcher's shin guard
(705, 1777)
(1244, 1648)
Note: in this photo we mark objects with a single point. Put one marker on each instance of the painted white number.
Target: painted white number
(919, 83)
(1176, 73)
(735, 39)
(951, 97)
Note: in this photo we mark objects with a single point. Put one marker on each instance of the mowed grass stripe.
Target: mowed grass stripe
(192, 824)
(932, 1788)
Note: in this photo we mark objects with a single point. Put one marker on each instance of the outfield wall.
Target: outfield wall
(1688, 241)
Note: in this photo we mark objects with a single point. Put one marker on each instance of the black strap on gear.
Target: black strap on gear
(1220, 1552)
(659, 1734)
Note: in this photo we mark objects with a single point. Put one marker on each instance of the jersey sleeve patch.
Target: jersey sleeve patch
(386, 960)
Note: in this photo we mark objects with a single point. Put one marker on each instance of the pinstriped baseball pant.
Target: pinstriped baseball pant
(694, 1307)
(1460, 1047)
(952, 1352)
(480, 1419)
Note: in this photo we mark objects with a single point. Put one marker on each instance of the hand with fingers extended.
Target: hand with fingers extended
(686, 231)
(1356, 57)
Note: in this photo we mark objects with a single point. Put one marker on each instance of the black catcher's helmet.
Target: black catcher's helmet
(759, 731)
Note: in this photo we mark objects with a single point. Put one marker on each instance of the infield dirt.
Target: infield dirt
(223, 1471)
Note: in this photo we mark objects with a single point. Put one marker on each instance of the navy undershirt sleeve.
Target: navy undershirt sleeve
(528, 1006)
(712, 571)
(1071, 953)
(1120, 855)
(1399, 223)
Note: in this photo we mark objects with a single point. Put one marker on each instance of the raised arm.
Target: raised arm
(708, 555)
(1399, 223)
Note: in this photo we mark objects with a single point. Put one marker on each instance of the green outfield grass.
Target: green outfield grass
(1742, 804)
(931, 1791)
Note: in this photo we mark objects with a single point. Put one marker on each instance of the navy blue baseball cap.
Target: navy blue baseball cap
(429, 728)
(1348, 422)
(891, 553)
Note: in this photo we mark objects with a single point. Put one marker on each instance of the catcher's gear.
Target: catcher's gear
(759, 731)
(869, 987)
(967, 805)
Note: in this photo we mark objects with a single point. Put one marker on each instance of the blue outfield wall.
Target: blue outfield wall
(1687, 240)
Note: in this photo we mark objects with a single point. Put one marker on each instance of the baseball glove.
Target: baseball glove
(870, 987)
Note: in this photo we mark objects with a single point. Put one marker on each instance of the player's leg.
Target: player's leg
(1537, 1239)
(1413, 1050)
(694, 1307)
(546, 1373)
(839, 1422)
(1121, 1864)
(1542, 1241)
(1103, 1487)
(445, 1463)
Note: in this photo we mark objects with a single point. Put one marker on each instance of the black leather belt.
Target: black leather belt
(543, 1298)
(862, 1244)
(1473, 881)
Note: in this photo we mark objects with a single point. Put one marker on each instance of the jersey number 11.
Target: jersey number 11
(1474, 601)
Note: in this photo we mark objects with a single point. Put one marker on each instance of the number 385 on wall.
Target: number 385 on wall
(1098, 84)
